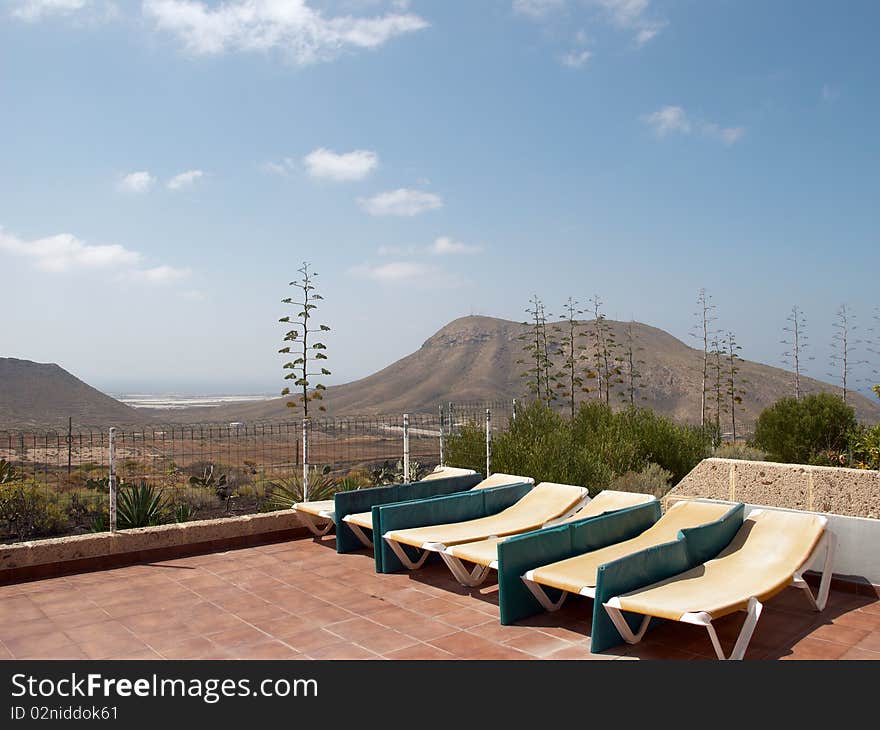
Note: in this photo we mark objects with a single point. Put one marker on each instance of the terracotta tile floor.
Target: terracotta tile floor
(300, 600)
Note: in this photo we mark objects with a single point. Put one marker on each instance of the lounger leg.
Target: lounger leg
(309, 521)
(541, 596)
(360, 534)
(398, 550)
(622, 626)
(471, 578)
(829, 542)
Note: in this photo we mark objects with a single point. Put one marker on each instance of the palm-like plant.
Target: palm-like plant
(140, 505)
(7, 472)
(284, 493)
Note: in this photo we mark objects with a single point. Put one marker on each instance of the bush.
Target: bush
(28, 511)
(590, 450)
(864, 448)
(739, 451)
(653, 479)
(805, 431)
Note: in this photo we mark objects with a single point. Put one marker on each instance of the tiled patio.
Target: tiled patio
(300, 600)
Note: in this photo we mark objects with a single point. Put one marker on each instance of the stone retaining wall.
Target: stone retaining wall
(51, 555)
(853, 492)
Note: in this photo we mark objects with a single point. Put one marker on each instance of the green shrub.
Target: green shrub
(7, 472)
(807, 431)
(653, 479)
(864, 447)
(183, 512)
(590, 450)
(28, 510)
(739, 451)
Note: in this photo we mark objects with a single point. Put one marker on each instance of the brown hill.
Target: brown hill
(474, 358)
(42, 395)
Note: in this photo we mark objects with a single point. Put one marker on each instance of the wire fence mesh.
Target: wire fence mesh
(57, 482)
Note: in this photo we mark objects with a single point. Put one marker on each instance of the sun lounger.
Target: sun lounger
(319, 516)
(770, 552)
(538, 571)
(358, 522)
(534, 509)
(484, 553)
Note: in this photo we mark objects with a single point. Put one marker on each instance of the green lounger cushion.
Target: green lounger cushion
(521, 553)
(363, 500)
(438, 511)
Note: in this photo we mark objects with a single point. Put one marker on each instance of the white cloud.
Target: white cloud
(674, 119)
(65, 253)
(445, 245)
(33, 10)
(292, 26)
(283, 168)
(632, 15)
(403, 273)
(329, 165)
(393, 271)
(668, 119)
(728, 135)
(184, 179)
(137, 182)
(160, 274)
(401, 202)
(536, 8)
(575, 59)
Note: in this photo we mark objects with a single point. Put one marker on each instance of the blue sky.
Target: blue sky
(166, 165)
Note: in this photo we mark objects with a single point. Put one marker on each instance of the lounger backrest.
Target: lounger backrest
(772, 539)
(546, 501)
(609, 500)
(662, 561)
(441, 472)
(500, 480)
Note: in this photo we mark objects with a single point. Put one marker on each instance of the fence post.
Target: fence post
(112, 480)
(406, 448)
(442, 455)
(488, 443)
(305, 459)
(514, 410)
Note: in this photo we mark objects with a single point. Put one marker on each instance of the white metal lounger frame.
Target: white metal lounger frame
(358, 532)
(753, 610)
(478, 574)
(309, 520)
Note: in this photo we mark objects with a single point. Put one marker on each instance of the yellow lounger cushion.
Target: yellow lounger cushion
(443, 472)
(545, 502)
(574, 574)
(760, 561)
(362, 519)
(365, 519)
(316, 508)
(485, 552)
(499, 480)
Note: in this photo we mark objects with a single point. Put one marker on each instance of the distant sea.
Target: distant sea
(175, 402)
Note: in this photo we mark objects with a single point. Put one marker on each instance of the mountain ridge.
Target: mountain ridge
(472, 358)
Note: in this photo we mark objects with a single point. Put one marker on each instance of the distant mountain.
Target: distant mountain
(41, 395)
(474, 359)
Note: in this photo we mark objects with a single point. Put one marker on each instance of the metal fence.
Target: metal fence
(210, 470)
